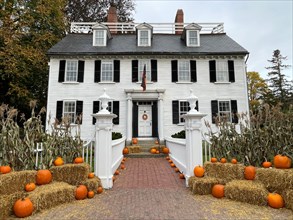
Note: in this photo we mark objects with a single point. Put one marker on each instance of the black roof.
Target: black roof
(162, 44)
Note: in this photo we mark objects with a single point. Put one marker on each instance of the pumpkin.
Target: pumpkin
(214, 160)
(172, 165)
(275, 200)
(30, 187)
(249, 172)
(181, 176)
(157, 152)
(116, 172)
(100, 190)
(134, 141)
(198, 171)
(165, 150)
(125, 151)
(170, 161)
(90, 194)
(153, 150)
(167, 158)
(176, 169)
(81, 192)
(91, 175)
(282, 162)
(113, 178)
(23, 207)
(43, 177)
(218, 191)
(78, 160)
(156, 142)
(59, 161)
(124, 159)
(234, 161)
(122, 162)
(5, 169)
(122, 166)
(266, 164)
(223, 160)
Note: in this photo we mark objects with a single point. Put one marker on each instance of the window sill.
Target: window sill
(70, 83)
(184, 82)
(181, 124)
(146, 82)
(106, 82)
(222, 82)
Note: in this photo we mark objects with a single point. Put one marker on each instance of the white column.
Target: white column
(129, 118)
(161, 116)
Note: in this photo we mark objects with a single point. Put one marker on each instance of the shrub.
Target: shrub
(116, 135)
(180, 134)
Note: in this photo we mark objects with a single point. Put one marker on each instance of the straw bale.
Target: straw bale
(275, 179)
(92, 184)
(16, 181)
(287, 195)
(7, 202)
(73, 174)
(50, 195)
(134, 149)
(224, 171)
(203, 186)
(249, 191)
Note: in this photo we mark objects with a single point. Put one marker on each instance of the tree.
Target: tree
(278, 83)
(96, 11)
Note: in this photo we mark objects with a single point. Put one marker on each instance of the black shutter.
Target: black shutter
(134, 70)
(116, 70)
(154, 70)
(59, 110)
(154, 120)
(234, 111)
(174, 65)
(80, 71)
(193, 70)
(135, 120)
(212, 64)
(197, 107)
(175, 111)
(98, 71)
(79, 106)
(61, 70)
(214, 110)
(231, 71)
(116, 112)
(96, 108)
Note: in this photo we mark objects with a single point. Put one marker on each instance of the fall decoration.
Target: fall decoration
(172, 165)
(23, 207)
(30, 187)
(181, 176)
(153, 150)
(165, 150)
(122, 166)
(5, 169)
(122, 162)
(81, 192)
(78, 160)
(275, 200)
(223, 160)
(156, 142)
(167, 158)
(100, 190)
(198, 171)
(170, 161)
(91, 175)
(266, 164)
(157, 152)
(234, 161)
(134, 141)
(90, 194)
(116, 172)
(282, 162)
(218, 191)
(125, 150)
(59, 161)
(176, 169)
(214, 160)
(43, 177)
(249, 172)
(203, 186)
(113, 178)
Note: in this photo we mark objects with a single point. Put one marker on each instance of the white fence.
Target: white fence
(88, 152)
(117, 153)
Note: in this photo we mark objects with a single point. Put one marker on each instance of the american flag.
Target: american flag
(143, 79)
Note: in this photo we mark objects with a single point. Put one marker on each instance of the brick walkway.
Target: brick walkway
(150, 189)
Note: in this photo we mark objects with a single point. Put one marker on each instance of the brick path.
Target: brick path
(150, 189)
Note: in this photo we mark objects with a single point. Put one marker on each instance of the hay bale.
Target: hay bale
(7, 202)
(73, 174)
(275, 179)
(50, 195)
(203, 186)
(134, 149)
(92, 184)
(287, 195)
(248, 191)
(224, 171)
(16, 181)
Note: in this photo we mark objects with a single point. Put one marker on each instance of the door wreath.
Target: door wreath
(144, 116)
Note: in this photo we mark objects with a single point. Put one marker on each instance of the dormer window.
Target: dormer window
(192, 38)
(101, 35)
(144, 35)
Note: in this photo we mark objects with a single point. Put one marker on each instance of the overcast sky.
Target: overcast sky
(257, 25)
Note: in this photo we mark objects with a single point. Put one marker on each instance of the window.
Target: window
(183, 71)
(193, 38)
(224, 110)
(183, 109)
(180, 107)
(107, 71)
(113, 107)
(144, 38)
(71, 71)
(69, 111)
(141, 64)
(99, 38)
(222, 71)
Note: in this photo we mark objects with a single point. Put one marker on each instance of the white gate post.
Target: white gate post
(103, 143)
(193, 137)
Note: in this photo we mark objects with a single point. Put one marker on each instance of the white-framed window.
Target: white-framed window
(222, 71)
(184, 71)
(100, 37)
(183, 109)
(144, 38)
(107, 69)
(224, 109)
(71, 71)
(69, 111)
(193, 38)
(141, 64)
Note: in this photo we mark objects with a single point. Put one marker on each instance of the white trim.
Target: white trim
(188, 39)
(189, 68)
(112, 76)
(66, 101)
(104, 40)
(66, 70)
(149, 38)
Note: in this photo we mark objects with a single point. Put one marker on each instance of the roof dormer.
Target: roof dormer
(191, 35)
(144, 33)
(101, 35)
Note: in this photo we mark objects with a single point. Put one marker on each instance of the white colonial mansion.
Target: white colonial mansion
(178, 57)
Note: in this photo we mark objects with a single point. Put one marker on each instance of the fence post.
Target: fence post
(193, 125)
(103, 140)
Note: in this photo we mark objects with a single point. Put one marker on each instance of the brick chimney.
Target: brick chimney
(112, 18)
(179, 19)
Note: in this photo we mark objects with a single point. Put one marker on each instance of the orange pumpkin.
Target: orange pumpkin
(122, 162)
(266, 164)
(214, 160)
(165, 150)
(90, 194)
(275, 200)
(282, 162)
(223, 160)
(5, 169)
(157, 152)
(153, 150)
(181, 176)
(113, 178)
(124, 159)
(23, 207)
(91, 175)
(172, 165)
(30, 187)
(249, 172)
(198, 171)
(218, 191)
(78, 160)
(43, 177)
(167, 158)
(125, 150)
(116, 172)
(81, 192)
(176, 169)
(234, 161)
(59, 161)
(122, 166)
(100, 190)
(156, 142)
(170, 161)
(134, 141)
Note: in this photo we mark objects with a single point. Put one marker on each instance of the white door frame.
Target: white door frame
(144, 120)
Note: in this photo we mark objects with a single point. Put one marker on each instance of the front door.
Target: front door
(144, 120)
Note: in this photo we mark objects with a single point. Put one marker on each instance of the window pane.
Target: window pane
(193, 38)
(141, 64)
(144, 38)
(183, 71)
(69, 111)
(71, 71)
(224, 110)
(107, 71)
(222, 71)
(183, 109)
(99, 38)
